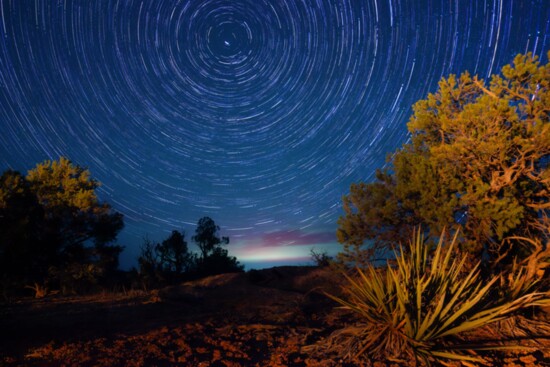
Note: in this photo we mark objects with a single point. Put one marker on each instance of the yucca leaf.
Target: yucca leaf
(454, 356)
(414, 304)
(437, 254)
(462, 291)
(430, 321)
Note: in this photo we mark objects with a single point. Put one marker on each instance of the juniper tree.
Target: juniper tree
(478, 158)
(51, 221)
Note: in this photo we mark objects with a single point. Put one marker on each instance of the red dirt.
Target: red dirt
(263, 318)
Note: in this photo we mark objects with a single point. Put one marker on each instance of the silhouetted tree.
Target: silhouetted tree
(106, 257)
(174, 254)
(22, 251)
(321, 259)
(219, 262)
(206, 236)
(214, 259)
(150, 267)
(167, 262)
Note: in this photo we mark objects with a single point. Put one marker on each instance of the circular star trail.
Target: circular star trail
(257, 113)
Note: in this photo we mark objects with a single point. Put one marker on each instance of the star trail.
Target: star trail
(257, 113)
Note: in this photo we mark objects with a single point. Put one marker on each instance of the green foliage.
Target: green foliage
(60, 185)
(417, 309)
(67, 194)
(54, 229)
(373, 212)
(478, 160)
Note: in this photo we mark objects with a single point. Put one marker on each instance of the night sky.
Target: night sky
(257, 113)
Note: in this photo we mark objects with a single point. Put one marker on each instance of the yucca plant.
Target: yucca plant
(528, 273)
(418, 307)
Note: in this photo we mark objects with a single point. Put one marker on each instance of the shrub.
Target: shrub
(418, 307)
(321, 259)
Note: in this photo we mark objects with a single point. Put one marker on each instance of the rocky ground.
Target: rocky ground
(272, 317)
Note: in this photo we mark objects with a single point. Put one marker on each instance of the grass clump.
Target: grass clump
(419, 308)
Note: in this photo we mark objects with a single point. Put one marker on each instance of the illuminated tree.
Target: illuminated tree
(478, 159)
(75, 215)
(51, 221)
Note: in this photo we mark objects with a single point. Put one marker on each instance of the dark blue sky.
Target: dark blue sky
(257, 113)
